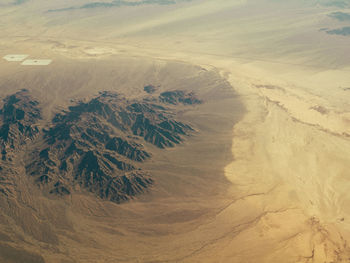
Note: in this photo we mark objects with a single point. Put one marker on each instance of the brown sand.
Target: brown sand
(285, 197)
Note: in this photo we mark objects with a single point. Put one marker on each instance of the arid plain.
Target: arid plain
(263, 178)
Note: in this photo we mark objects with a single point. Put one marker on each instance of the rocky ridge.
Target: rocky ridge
(97, 145)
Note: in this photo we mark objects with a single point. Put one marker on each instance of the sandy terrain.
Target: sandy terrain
(267, 183)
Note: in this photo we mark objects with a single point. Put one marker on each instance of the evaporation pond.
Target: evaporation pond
(15, 57)
(36, 62)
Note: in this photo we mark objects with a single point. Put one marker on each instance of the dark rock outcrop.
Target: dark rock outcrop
(179, 97)
(98, 145)
(130, 150)
(150, 89)
(344, 31)
(18, 121)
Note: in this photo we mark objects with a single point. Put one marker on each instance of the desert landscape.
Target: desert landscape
(175, 131)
